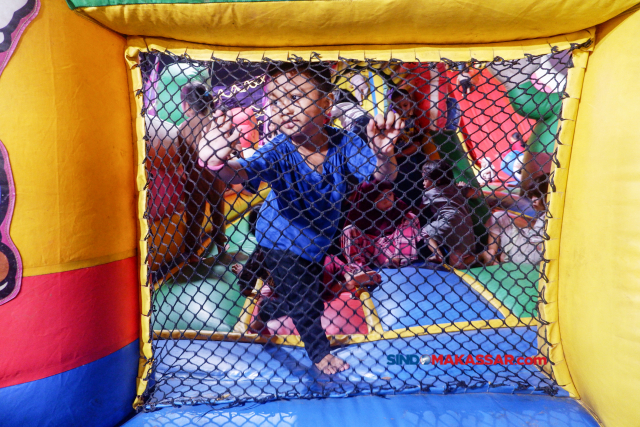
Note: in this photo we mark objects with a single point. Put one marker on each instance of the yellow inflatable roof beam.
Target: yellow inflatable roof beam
(348, 22)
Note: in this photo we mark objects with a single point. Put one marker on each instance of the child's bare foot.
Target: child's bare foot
(436, 258)
(259, 327)
(237, 269)
(361, 279)
(331, 364)
(488, 258)
(399, 261)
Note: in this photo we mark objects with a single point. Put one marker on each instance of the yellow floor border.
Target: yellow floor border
(484, 292)
(294, 340)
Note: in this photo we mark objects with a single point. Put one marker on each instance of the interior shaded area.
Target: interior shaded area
(447, 253)
(205, 297)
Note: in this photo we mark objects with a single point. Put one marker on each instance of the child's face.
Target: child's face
(538, 204)
(404, 107)
(427, 183)
(385, 200)
(298, 107)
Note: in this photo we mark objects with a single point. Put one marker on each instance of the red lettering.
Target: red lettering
(458, 360)
(437, 359)
(479, 360)
(498, 360)
(540, 360)
(508, 359)
(519, 360)
(529, 360)
(448, 360)
(469, 360)
(488, 359)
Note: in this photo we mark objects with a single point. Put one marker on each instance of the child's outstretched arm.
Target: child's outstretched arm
(383, 133)
(215, 146)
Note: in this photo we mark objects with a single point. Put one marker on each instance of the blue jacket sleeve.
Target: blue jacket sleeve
(361, 161)
(261, 166)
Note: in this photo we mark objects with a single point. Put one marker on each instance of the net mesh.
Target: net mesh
(337, 228)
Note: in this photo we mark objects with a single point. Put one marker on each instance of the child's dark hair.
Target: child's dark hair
(318, 72)
(439, 172)
(537, 186)
(198, 96)
(398, 94)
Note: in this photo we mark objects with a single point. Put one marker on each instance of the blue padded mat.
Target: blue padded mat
(454, 410)
(418, 297)
(216, 371)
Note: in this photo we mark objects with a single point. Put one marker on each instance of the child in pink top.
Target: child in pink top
(380, 231)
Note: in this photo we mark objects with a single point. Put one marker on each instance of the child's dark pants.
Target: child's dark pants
(297, 286)
(252, 271)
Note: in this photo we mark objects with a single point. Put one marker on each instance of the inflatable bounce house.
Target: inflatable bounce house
(297, 213)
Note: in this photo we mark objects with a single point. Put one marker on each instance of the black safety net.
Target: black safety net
(322, 229)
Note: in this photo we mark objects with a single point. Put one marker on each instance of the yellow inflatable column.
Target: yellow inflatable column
(599, 272)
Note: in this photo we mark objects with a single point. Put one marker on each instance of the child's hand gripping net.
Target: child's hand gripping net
(218, 138)
(383, 133)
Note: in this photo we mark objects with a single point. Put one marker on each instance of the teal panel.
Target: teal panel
(205, 298)
(172, 79)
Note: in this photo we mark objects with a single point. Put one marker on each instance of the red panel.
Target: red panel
(64, 320)
(488, 119)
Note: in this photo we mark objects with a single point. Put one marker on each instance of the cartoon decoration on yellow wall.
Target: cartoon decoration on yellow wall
(14, 18)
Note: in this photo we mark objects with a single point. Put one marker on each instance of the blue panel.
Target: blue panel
(94, 395)
(454, 410)
(418, 297)
(250, 371)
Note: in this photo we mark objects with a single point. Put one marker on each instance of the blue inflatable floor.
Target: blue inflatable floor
(453, 410)
(213, 370)
(420, 297)
(225, 373)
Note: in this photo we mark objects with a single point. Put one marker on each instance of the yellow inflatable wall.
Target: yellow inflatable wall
(66, 125)
(599, 275)
(66, 118)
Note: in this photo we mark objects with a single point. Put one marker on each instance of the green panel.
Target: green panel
(516, 286)
(206, 298)
(202, 300)
(544, 107)
(73, 4)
